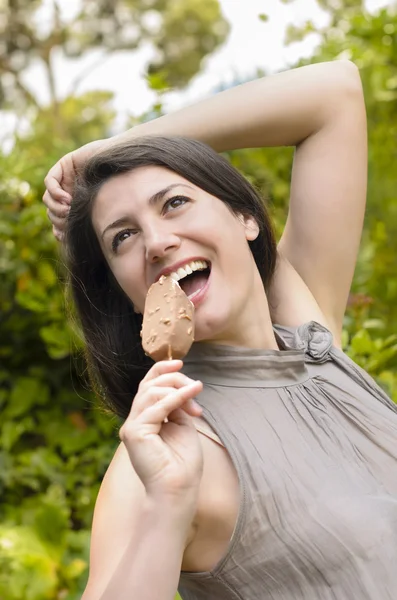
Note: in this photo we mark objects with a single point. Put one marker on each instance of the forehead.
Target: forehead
(135, 186)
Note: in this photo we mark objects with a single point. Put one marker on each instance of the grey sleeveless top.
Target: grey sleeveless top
(314, 443)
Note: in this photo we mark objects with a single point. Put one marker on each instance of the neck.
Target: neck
(252, 328)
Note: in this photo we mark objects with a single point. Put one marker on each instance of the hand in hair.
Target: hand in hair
(59, 183)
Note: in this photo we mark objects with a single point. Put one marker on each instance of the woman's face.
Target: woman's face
(151, 221)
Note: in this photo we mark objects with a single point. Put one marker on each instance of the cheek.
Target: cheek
(130, 279)
(225, 234)
(233, 245)
(216, 225)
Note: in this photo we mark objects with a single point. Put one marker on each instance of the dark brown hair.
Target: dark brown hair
(111, 328)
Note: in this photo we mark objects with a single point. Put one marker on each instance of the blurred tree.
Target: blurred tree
(52, 451)
(109, 26)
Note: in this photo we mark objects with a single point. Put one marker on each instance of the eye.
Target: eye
(120, 237)
(175, 202)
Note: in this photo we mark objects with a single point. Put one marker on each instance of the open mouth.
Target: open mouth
(193, 276)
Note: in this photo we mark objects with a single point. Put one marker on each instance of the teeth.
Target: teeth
(188, 269)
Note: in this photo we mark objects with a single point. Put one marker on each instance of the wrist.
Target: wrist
(135, 132)
(169, 511)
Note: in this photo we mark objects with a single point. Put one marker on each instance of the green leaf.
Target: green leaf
(11, 431)
(74, 569)
(157, 81)
(26, 393)
(58, 340)
(31, 571)
(51, 523)
(361, 343)
(263, 17)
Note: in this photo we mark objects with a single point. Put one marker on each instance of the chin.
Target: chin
(213, 328)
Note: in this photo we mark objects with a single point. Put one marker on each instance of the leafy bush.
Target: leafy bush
(56, 442)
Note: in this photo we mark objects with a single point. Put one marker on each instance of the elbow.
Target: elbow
(339, 93)
(349, 78)
(344, 93)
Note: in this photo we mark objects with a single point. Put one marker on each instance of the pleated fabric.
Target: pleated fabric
(314, 442)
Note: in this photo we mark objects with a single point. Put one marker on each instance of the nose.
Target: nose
(159, 243)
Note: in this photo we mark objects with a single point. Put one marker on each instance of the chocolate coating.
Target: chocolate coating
(168, 321)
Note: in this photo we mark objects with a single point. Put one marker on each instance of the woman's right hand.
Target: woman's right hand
(60, 181)
(167, 456)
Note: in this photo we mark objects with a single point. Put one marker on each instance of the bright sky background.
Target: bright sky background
(251, 44)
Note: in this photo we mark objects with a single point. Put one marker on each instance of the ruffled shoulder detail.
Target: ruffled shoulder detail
(313, 339)
(316, 341)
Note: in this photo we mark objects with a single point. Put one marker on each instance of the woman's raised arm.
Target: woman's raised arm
(320, 110)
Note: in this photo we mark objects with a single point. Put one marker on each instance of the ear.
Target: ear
(250, 225)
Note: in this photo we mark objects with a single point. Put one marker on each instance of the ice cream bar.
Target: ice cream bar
(168, 321)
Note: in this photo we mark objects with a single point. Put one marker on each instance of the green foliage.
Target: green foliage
(263, 17)
(56, 443)
(180, 57)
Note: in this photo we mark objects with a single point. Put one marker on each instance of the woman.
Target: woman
(273, 477)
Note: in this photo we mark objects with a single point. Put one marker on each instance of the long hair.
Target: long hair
(111, 329)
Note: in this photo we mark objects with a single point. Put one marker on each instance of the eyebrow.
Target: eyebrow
(153, 200)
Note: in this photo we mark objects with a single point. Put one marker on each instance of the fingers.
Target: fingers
(59, 235)
(162, 409)
(56, 200)
(57, 214)
(55, 206)
(160, 368)
(161, 381)
(58, 225)
(149, 398)
(156, 413)
(174, 380)
(53, 182)
(151, 394)
(58, 222)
